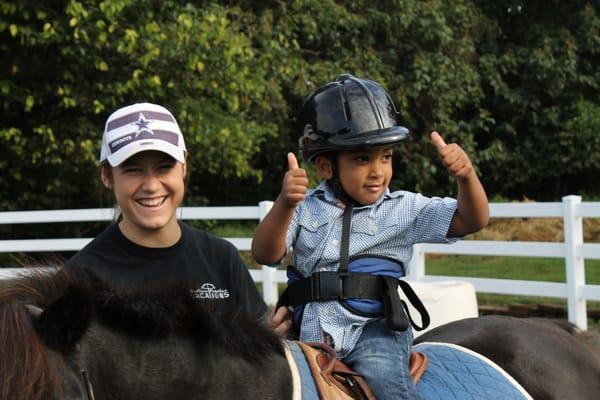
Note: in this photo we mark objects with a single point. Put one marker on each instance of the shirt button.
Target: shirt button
(315, 224)
(334, 242)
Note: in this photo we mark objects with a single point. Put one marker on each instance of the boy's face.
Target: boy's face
(365, 174)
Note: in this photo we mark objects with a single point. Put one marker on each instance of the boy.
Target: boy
(351, 228)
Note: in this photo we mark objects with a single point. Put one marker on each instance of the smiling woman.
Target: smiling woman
(148, 187)
(143, 162)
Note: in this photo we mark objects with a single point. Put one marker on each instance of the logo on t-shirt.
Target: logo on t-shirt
(209, 291)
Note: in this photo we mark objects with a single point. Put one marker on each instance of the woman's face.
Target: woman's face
(148, 188)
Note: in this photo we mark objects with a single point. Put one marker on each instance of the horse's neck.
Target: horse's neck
(136, 368)
(70, 386)
(176, 367)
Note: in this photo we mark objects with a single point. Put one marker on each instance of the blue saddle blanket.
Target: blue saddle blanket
(455, 372)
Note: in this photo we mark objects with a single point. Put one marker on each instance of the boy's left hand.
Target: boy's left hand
(281, 321)
(453, 157)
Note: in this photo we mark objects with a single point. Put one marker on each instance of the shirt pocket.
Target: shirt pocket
(312, 233)
(372, 227)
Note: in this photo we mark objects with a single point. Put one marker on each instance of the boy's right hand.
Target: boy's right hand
(295, 183)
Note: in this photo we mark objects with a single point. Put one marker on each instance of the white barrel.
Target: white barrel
(445, 301)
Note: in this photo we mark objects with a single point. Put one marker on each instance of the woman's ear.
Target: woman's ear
(324, 167)
(106, 177)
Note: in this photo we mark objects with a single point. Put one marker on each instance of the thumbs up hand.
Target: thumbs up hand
(295, 183)
(453, 157)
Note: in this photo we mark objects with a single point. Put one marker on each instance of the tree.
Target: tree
(71, 63)
(515, 83)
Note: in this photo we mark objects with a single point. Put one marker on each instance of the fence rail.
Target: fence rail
(573, 250)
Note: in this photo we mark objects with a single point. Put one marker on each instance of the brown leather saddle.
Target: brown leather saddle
(336, 381)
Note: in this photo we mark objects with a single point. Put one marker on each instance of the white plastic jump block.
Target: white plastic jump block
(445, 301)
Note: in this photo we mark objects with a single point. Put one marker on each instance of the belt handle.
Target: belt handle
(397, 313)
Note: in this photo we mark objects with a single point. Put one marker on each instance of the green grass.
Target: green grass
(521, 268)
(234, 229)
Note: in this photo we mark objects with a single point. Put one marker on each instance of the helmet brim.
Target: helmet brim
(380, 137)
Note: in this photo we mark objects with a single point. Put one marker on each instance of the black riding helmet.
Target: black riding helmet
(348, 113)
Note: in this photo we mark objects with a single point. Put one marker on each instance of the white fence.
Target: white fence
(269, 277)
(573, 250)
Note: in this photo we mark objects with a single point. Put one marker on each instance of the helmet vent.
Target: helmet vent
(372, 102)
(345, 103)
(394, 109)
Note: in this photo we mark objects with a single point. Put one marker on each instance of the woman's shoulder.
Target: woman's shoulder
(212, 249)
(105, 238)
(204, 239)
(99, 248)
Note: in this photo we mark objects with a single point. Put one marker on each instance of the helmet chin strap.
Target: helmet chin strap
(336, 187)
(335, 184)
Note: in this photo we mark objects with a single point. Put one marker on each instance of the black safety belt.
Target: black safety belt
(345, 245)
(343, 285)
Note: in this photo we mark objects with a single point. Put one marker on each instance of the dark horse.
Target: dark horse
(62, 334)
(546, 357)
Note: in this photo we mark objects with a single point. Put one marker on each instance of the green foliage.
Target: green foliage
(73, 63)
(541, 81)
(515, 83)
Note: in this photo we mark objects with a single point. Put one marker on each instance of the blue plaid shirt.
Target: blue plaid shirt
(387, 228)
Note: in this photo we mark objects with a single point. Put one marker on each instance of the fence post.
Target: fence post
(416, 266)
(269, 283)
(574, 263)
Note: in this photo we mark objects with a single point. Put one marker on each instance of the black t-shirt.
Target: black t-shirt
(211, 266)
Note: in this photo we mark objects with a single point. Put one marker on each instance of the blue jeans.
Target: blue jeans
(381, 356)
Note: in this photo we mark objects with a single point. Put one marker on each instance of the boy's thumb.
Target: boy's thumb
(437, 140)
(292, 161)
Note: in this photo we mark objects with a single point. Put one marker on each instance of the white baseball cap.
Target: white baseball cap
(140, 127)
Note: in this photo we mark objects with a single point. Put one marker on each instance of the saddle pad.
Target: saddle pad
(455, 372)
(303, 384)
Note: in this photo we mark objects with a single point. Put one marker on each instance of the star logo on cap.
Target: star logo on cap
(142, 124)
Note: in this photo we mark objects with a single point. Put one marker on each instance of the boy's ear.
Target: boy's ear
(324, 167)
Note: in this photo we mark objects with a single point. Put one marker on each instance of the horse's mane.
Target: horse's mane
(73, 298)
(26, 373)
